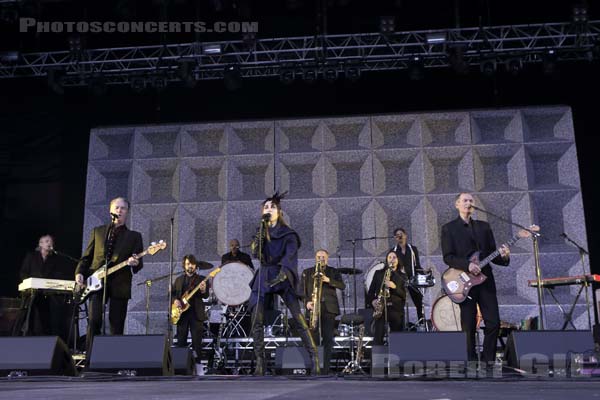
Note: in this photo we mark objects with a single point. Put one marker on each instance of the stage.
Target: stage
(349, 388)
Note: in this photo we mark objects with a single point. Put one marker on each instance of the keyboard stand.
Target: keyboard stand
(568, 316)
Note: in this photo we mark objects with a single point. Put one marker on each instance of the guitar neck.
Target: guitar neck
(496, 253)
(122, 264)
(194, 290)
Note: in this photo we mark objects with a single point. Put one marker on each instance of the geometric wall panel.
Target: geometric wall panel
(348, 179)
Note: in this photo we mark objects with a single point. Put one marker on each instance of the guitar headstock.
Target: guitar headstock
(525, 234)
(156, 247)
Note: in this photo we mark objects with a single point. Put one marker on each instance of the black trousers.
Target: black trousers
(188, 322)
(485, 296)
(417, 299)
(117, 312)
(395, 318)
(324, 335)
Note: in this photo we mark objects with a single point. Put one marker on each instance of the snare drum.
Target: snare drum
(371, 273)
(232, 284)
(445, 315)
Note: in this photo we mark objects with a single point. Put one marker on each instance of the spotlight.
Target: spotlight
(514, 66)
(488, 67)
(330, 73)
(75, 46)
(159, 83)
(211, 48)
(286, 75)
(55, 80)
(9, 57)
(249, 39)
(138, 84)
(232, 77)
(580, 14)
(387, 25)
(352, 73)
(309, 75)
(416, 69)
(549, 67)
(436, 37)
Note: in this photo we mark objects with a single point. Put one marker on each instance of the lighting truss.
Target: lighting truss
(266, 57)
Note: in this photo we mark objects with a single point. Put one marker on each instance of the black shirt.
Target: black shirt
(406, 259)
(239, 257)
(53, 267)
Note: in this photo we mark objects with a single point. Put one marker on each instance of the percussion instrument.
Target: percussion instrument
(231, 286)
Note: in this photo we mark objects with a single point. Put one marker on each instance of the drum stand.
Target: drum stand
(234, 325)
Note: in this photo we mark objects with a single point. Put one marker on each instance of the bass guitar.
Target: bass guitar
(94, 282)
(176, 311)
(457, 283)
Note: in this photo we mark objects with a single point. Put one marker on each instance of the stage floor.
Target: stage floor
(245, 388)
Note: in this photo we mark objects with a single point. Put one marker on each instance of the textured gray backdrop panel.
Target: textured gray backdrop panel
(348, 178)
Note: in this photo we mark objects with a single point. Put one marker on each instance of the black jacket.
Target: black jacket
(240, 256)
(329, 300)
(196, 302)
(397, 295)
(127, 243)
(461, 240)
(406, 259)
(54, 267)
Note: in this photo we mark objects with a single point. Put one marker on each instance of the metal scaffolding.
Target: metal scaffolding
(312, 55)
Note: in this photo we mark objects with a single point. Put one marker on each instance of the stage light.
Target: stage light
(286, 75)
(330, 73)
(232, 77)
(211, 48)
(55, 78)
(309, 75)
(436, 37)
(138, 84)
(549, 67)
(159, 83)
(579, 14)
(488, 67)
(352, 73)
(387, 25)
(416, 69)
(9, 57)
(514, 65)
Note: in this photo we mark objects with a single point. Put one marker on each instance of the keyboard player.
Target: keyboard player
(49, 313)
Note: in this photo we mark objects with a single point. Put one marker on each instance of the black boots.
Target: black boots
(309, 343)
(258, 338)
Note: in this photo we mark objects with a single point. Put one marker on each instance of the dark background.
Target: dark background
(44, 137)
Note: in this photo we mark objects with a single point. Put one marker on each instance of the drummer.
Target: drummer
(408, 255)
(235, 255)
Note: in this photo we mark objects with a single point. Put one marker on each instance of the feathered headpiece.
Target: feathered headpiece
(276, 198)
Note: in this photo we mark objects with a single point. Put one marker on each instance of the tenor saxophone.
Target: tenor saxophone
(317, 289)
(383, 292)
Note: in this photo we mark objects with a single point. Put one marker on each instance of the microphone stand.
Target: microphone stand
(536, 256)
(111, 227)
(169, 294)
(582, 253)
(148, 283)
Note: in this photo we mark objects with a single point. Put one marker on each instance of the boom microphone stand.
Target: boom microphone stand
(111, 227)
(582, 253)
(169, 294)
(536, 256)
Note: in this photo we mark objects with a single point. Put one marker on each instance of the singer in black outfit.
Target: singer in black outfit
(408, 255)
(461, 237)
(395, 303)
(235, 255)
(330, 307)
(122, 245)
(191, 319)
(49, 313)
(277, 249)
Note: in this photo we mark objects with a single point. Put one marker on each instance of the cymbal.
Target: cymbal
(204, 265)
(350, 271)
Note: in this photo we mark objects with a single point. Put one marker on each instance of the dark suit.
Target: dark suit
(126, 244)
(330, 307)
(395, 303)
(406, 259)
(459, 241)
(192, 319)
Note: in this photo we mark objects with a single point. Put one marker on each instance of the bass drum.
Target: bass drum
(231, 285)
(445, 315)
(371, 273)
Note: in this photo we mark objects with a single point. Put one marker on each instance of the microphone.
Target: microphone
(476, 208)
(53, 251)
(564, 235)
(114, 216)
(266, 217)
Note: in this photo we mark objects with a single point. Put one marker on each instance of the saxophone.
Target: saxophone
(384, 291)
(315, 314)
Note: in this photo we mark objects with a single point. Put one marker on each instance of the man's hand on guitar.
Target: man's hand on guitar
(504, 251)
(133, 261)
(474, 269)
(202, 287)
(79, 280)
(177, 303)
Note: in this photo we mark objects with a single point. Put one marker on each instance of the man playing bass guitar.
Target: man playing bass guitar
(461, 238)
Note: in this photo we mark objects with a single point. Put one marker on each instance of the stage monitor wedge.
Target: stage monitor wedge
(35, 355)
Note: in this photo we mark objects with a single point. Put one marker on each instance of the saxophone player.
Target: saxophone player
(328, 306)
(391, 296)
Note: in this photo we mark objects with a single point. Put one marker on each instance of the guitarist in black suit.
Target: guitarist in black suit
(462, 237)
(192, 319)
(330, 307)
(122, 244)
